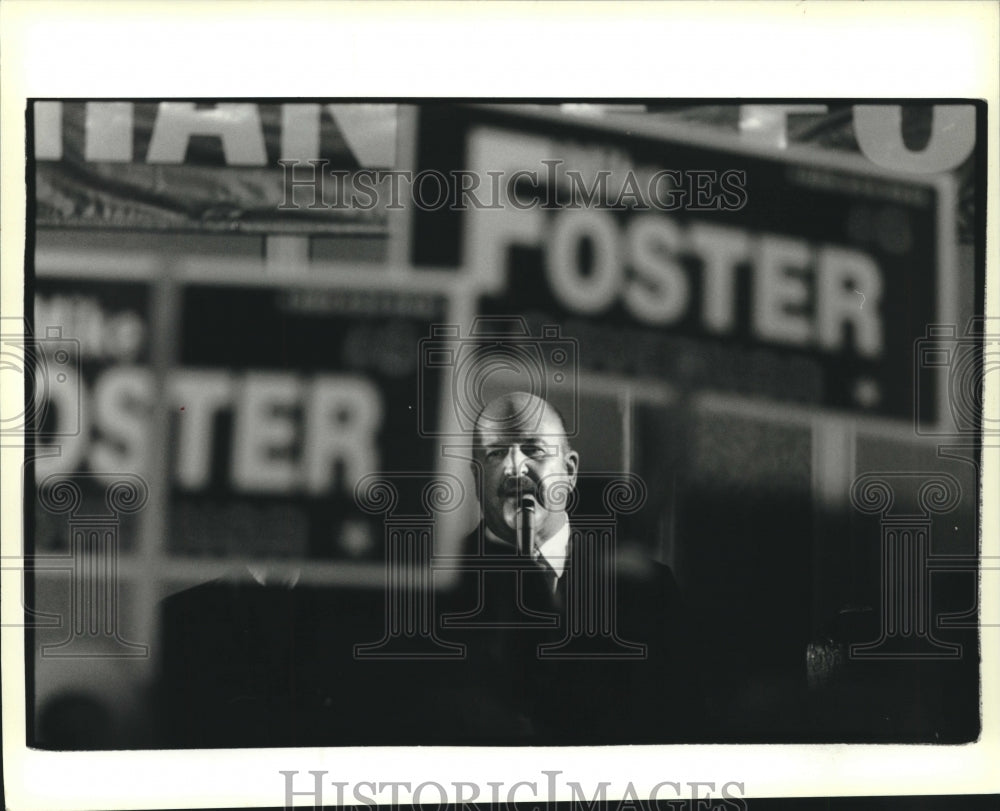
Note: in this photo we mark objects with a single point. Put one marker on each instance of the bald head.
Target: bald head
(522, 414)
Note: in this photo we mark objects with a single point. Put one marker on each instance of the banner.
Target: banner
(176, 165)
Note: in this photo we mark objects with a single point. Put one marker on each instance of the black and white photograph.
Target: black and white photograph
(501, 422)
(700, 383)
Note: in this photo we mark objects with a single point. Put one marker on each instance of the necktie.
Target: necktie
(554, 590)
(551, 578)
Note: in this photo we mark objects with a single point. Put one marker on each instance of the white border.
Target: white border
(785, 49)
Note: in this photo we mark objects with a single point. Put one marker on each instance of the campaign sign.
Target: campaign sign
(685, 258)
(89, 353)
(286, 396)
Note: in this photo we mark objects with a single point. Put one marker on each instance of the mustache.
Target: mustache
(520, 486)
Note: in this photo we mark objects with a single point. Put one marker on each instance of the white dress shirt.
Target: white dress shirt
(550, 553)
(554, 552)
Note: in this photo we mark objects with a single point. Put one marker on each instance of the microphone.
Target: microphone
(527, 504)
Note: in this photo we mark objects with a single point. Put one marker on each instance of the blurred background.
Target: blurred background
(242, 349)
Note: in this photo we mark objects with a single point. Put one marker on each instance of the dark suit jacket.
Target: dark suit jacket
(625, 674)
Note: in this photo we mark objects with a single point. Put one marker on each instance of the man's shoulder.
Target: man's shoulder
(207, 595)
(210, 610)
(213, 594)
(627, 561)
(228, 601)
(654, 573)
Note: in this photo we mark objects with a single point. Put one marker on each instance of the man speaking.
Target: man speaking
(567, 643)
(525, 471)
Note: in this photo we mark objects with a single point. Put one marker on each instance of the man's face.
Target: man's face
(515, 457)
